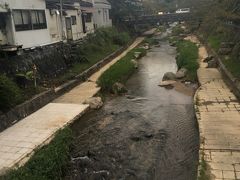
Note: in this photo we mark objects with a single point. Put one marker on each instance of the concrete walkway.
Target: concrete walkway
(19, 141)
(218, 114)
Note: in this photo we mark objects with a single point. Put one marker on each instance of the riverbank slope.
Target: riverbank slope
(20, 141)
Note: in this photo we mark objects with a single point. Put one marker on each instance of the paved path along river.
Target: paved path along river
(150, 133)
(219, 122)
(20, 140)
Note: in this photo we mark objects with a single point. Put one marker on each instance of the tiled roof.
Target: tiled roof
(85, 4)
(55, 3)
(101, 1)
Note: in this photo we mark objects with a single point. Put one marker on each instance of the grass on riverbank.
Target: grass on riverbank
(93, 58)
(10, 93)
(120, 71)
(188, 58)
(214, 42)
(204, 171)
(49, 162)
(97, 46)
(177, 30)
(161, 28)
(233, 66)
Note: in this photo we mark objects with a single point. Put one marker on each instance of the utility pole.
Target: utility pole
(61, 16)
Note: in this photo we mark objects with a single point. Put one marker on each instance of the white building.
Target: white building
(87, 10)
(101, 15)
(23, 22)
(77, 19)
(30, 23)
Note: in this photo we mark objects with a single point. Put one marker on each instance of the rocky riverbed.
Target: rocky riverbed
(149, 133)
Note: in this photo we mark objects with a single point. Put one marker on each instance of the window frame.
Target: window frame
(74, 20)
(39, 25)
(88, 18)
(30, 25)
(22, 26)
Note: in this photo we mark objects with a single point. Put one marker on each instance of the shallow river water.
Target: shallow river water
(150, 133)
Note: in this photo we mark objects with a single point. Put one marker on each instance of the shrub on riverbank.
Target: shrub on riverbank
(177, 30)
(10, 94)
(151, 41)
(48, 162)
(233, 66)
(204, 173)
(188, 58)
(120, 71)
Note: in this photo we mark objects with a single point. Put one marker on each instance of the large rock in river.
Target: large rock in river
(167, 84)
(212, 63)
(169, 76)
(119, 88)
(209, 58)
(181, 73)
(94, 102)
(135, 63)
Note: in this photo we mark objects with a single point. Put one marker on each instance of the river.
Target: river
(150, 133)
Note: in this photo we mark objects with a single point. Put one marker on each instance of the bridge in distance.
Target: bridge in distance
(163, 18)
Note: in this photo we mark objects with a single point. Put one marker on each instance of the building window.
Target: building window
(29, 19)
(110, 14)
(107, 15)
(74, 20)
(103, 15)
(89, 17)
(22, 20)
(38, 19)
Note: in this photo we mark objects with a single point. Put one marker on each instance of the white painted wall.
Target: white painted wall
(101, 15)
(24, 4)
(32, 38)
(28, 38)
(90, 26)
(54, 26)
(77, 29)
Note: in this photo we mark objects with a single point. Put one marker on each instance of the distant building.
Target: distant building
(101, 15)
(87, 10)
(76, 23)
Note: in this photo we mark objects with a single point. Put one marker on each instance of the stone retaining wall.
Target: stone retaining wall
(50, 61)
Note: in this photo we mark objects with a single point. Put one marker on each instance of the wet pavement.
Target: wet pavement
(150, 133)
